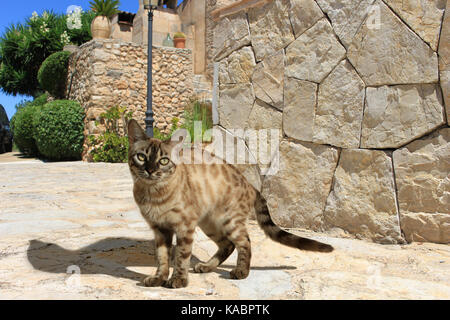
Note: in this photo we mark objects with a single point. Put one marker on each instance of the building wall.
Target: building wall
(105, 73)
(192, 15)
(356, 95)
(121, 31)
(165, 21)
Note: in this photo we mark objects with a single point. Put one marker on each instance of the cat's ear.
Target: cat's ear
(135, 132)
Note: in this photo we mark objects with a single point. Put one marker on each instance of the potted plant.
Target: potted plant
(179, 40)
(104, 10)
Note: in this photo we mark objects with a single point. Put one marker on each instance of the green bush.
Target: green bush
(22, 128)
(24, 46)
(40, 101)
(58, 130)
(52, 74)
(111, 146)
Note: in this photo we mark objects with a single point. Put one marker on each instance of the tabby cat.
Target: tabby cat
(176, 198)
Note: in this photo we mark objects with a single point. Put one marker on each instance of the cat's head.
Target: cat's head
(149, 158)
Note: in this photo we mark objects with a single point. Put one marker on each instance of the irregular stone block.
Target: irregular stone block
(235, 104)
(299, 108)
(270, 28)
(388, 52)
(362, 201)
(339, 109)
(230, 34)
(221, 148)
(346, 16)
(424, 17)
(268, 79)
(267, 121)
(263, 116)
(303, 14)
(423, 182)
(297, 193)
(314, 54)
(399, 114)
(237, 67)
(116, 74)
(444, 60)
(101, 55)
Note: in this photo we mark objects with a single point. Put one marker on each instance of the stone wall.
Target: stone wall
(211, 25)
(105, 73)
(365, 148)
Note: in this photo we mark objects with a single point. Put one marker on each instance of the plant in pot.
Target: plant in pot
(179, 40)
(104, 10)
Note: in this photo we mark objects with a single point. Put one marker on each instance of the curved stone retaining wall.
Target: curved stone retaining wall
(105, 73)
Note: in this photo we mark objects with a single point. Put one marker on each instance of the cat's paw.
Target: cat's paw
(176, 282)
(239, 273)
(152, 281)
(202, 268)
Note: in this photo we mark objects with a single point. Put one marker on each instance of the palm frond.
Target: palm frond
(106, 8)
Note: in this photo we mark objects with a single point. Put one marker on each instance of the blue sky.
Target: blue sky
(18, 11)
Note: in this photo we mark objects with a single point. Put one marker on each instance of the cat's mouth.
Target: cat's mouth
(149, 175)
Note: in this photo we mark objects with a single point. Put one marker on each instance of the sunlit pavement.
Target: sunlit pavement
(71, 230)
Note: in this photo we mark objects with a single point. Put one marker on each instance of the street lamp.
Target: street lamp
(149, 5)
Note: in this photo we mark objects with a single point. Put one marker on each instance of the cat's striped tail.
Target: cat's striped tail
(276, 234)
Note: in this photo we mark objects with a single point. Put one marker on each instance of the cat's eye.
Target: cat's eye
(140, 157)
(164, 161)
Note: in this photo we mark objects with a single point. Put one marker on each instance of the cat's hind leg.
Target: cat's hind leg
(239, 237)
(226, 248)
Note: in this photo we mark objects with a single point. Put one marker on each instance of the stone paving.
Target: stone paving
(71, 230)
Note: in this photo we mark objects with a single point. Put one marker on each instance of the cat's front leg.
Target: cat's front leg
(163, 243)
(183, 252)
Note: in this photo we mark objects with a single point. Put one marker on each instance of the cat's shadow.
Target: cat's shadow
(110, 256)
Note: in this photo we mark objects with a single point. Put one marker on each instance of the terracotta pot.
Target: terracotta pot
(101, 27)
(179, 42)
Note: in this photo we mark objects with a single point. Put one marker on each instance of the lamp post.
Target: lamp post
(149, 5)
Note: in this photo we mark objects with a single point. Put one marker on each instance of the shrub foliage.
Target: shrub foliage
(53, 73)
(22, 124)
(58, 130)
(198, 113)
(106, 8)
(112, 146)
(24, 46)
(22, 128)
